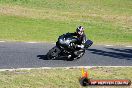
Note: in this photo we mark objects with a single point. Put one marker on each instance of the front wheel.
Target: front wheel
(53, 53)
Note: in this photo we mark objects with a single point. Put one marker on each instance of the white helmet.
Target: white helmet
(80, 30)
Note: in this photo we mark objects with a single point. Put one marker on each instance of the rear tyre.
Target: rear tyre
(53, 53)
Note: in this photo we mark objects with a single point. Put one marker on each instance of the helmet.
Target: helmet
(80, 30)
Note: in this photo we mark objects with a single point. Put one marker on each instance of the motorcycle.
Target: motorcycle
(67, 49)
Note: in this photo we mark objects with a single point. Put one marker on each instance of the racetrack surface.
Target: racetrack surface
(32, 55)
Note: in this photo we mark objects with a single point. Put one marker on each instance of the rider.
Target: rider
(80, 36)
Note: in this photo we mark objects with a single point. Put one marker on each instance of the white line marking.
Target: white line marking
(71, 67)
(32, 42)
(109, 45)
(128, 46)
(2, 41)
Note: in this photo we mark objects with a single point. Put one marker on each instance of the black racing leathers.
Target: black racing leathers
(81, 38)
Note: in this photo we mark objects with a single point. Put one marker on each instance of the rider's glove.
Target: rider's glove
(80, 46)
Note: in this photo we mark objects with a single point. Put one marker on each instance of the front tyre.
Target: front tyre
(53, 53)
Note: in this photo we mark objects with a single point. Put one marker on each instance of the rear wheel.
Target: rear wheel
(53, 53)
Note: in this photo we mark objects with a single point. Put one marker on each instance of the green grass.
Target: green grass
(59, 78)
(105, 21)
(111, 6)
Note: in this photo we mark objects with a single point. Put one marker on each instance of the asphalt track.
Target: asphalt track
(32, 55)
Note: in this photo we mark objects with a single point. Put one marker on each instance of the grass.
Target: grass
(105, 21)
(59, 78)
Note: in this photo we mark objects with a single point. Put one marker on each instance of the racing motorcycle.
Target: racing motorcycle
(67, 49)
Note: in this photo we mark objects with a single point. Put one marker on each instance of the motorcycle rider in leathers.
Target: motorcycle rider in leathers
(81, 39)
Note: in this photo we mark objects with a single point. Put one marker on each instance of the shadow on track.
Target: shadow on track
(44, 57)
(115, 53)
